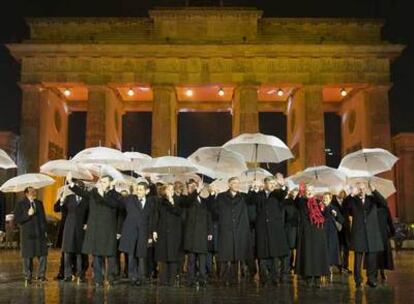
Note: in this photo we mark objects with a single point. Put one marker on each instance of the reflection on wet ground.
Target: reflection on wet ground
(398, 289)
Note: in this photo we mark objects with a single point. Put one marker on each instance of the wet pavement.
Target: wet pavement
(399, 288)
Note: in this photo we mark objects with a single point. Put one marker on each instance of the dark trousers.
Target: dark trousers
(80, 261)
(229, 271)
(167, 272)
(275, 267)
(28, 267)
(371, 258)
(344, 249)
(192, 266)
(137, 268)
(99, 268)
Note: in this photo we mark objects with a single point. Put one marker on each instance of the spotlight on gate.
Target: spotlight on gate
(280, 92)
(343, 92)
(67, 92)
(189, 93)
(221, 92)
(131, 92)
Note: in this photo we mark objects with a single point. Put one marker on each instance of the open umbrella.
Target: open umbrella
(61, 167)
(218, 162)
(137, 161)
(104, 169)
(251, 175)
(169, 165)
(21, 182)
(373, 161)
(320, 177)
(5, 161)
(384, 186)
(101, 155)
(257, 147)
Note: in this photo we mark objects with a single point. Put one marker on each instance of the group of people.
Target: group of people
(191, 234)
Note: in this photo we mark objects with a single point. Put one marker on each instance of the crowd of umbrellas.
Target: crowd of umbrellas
(215, 164)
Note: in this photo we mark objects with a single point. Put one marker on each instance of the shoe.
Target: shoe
(59, 277)
(372, 284)
(68, 279)
(42, 279)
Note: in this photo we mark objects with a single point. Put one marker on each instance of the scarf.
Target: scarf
(314, 212)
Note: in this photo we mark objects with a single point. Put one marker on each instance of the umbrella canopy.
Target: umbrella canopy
(218, 162)
(372, 161)
(320, 177)
(384, 186)
(5, 161)
(251, 175)
(21, 182)
(137, 161)
(61, 167)
(104, 169)
(101, 155)
(257, 147)
(169, 165)
(171, 178)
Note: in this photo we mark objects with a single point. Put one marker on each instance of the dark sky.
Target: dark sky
(397, 13)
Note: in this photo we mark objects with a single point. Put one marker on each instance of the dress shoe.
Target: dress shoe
(372, 284)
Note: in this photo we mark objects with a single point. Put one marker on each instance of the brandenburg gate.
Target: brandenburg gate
(204, 59)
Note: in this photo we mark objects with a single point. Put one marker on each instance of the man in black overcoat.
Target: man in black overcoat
(76, 209)
(100, 235)
(30, 215)
(234, 230)
(271, 241)
(365, 232)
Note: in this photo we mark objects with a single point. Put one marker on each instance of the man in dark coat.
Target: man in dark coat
(100, 235)
(197, 233)
(339, 202)
(136, 232)
(76, 210)
(271, 241)
(365, 233)
(30, 215)
(234, 230)
(291, 228)
(167, 235)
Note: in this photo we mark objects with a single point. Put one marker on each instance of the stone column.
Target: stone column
(32, 99)
(378, 133)
(404, 179)
(306, 134)
(164, 121)
(96, 116)
(245, 110)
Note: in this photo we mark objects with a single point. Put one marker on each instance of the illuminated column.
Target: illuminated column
(306, 134)
(164, 121)
(245, 110)
(104, 118)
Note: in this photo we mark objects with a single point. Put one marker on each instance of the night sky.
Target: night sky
(398, 29)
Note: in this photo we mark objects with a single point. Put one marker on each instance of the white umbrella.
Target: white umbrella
(257, 147)
(61, 167)
(171, 178)
(320, 176)
(251, 175)
(169, 165)
(218, 162)
(373, 161)
(21, 182)
(5, 161)
(104, 169)
(137, 161)
(354, 173)
(384, 186)
(101, 155)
